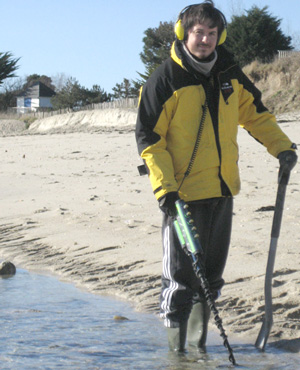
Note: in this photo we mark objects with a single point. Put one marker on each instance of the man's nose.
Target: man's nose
(205, 39)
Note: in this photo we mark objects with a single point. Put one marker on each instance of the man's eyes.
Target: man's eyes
(199, 32)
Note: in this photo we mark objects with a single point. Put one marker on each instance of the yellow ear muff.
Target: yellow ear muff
(223, 37)
(179, 30)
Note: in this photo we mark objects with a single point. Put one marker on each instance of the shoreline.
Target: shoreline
(73, 205)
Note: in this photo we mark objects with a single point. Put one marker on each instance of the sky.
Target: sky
(99, 42)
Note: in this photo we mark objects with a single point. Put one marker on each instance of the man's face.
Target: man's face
(202, 40)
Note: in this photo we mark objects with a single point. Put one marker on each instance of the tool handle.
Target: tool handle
(283, 179)
(283, 176)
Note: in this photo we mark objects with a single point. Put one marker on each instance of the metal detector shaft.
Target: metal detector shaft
(189, 240)
(265, 330)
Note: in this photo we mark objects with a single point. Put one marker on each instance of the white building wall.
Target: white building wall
(35, 103)
(20, 102)
(32, 104)
(45, 102)
(22, 105)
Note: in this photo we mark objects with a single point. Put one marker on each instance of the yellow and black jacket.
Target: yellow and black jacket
(170, 110)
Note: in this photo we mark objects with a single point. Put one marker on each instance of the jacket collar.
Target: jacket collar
(224, 61)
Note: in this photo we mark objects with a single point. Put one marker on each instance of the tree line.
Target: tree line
(255, 35)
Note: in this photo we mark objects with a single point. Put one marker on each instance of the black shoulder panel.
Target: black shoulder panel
(253, 90)
(160, 87)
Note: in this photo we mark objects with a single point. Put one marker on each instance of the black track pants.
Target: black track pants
(180, 287)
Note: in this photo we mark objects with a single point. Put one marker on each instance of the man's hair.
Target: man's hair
(203, 13)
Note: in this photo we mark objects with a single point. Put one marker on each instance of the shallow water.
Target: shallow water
(47, 324)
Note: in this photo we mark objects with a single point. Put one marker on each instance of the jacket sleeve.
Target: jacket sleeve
(258, 121)
(154, 116)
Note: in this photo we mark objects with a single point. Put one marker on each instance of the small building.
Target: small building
(36, 98)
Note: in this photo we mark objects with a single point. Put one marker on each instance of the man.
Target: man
(186, 132)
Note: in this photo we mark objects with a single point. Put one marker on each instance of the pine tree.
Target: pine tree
(256, 35)
(8, 66)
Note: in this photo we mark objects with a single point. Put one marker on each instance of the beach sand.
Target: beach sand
(74, 205)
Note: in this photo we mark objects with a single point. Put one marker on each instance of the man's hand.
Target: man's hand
(287, 160)
(167, 203)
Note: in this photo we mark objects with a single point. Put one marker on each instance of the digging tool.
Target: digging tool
(265, 330)
(189, 240)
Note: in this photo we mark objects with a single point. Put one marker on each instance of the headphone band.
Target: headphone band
(180, 16)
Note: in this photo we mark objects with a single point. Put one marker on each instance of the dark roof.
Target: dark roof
(38, 90)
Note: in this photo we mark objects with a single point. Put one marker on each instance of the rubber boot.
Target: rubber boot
(177, 338)
(198, 326)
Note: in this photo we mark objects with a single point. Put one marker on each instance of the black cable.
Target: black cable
(210, 301)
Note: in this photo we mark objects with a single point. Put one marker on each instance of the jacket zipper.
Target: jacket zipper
(213, 106)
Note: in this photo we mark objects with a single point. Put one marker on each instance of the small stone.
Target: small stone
(7, 269)
(120, 318)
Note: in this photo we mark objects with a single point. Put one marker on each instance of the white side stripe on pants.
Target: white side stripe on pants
(173, 286)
